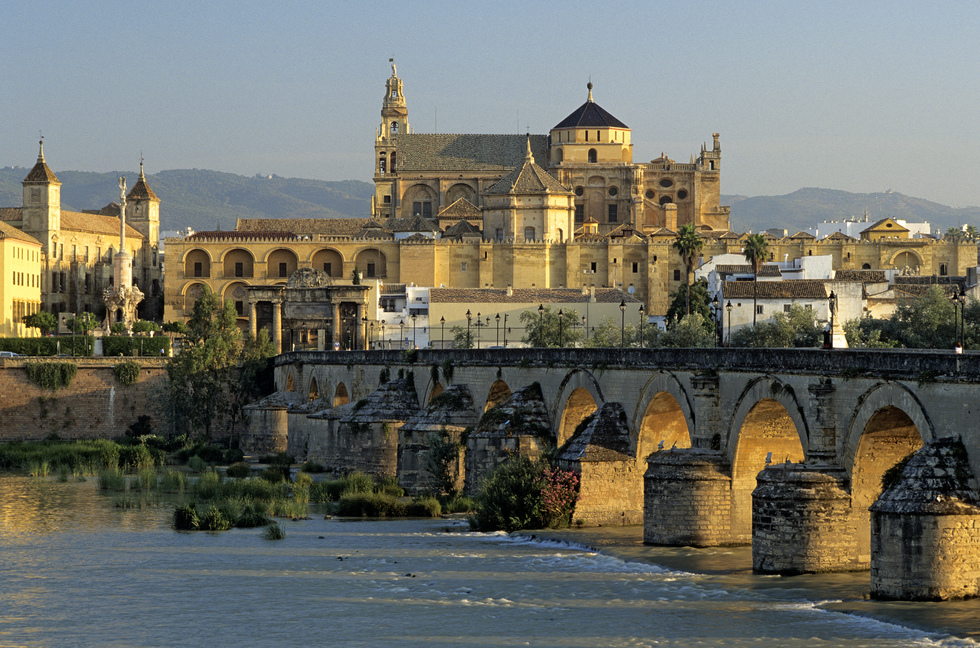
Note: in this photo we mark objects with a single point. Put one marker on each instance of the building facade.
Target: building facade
(77, 248)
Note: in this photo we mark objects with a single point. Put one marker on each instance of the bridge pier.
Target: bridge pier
(925, 529)
(687, 498)
(801, 521)
(267, 431)
(710, 426)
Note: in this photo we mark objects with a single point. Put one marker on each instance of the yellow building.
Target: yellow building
(77, 247)
(20, 291)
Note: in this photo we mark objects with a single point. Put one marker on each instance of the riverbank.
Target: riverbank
(847, 592)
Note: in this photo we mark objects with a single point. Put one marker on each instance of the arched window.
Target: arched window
(866, 266)
(394, 128)
(593, 156)
(528, 233)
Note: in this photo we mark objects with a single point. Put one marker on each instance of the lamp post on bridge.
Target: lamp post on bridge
(469, 340)
(642, 317)
(716, 318)
(622, 325)
(497, 320)
(442, 336)
(728, 309)
(540, 324)
(415, 343)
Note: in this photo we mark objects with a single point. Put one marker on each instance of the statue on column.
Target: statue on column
(123, 297)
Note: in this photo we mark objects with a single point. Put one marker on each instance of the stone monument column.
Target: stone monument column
(277, 325)
(335, 332)
(253, 319)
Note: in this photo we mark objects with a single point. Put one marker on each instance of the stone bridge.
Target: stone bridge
(782, 448)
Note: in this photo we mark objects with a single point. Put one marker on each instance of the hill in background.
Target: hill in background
(208, 200)
(203, 200)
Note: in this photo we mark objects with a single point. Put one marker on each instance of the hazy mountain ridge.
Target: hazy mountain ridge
(203, 200)
(808, 206)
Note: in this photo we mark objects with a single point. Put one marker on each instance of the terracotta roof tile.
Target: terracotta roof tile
(9, 231)
(249, 236)
(461, 209)
(305, 226)
(789, 289)
(864, 276)
(10, 213)
(95, 224)
(444, 152)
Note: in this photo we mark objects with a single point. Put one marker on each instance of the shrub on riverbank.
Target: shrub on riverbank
(73, 456)
(526, 494)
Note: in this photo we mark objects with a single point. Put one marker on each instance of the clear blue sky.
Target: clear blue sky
(859, 96)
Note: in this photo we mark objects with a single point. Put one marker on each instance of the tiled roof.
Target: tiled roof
(913, 279)
(839, 236)
(10, 213)
(305, 226)
(884, 226)
(527, 296)
(41, 172)
(414, 224)
(767, 270)
(789, 289)
(803, 235)
(95, 224)
(663, 231)
(418, 237)
(590, 115)
(392, 289)
(461, 209)
(864, 276)
(443, 152)
(917, 290)
(141, 190)
(9, 231)
(253, 236)
(461, 228)
(373, 230)
(527, 178)
(625, 231)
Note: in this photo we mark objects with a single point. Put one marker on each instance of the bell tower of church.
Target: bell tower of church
(41, 212)
(394, 121)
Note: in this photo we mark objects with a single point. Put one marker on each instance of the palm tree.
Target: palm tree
(756, 249)
(689, 243)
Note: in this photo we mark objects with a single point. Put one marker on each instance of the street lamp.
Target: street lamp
(371, 334)
(833, 312)
(505, 330)
(541, 324)
(716, 315)
(728, 309)
(622, 325)
(561, 315)
(401, 334)
(641, 325)
(442, 336)
(383, 345)
(962, 318)
(415, 343)
(469, 317)
(497, 319)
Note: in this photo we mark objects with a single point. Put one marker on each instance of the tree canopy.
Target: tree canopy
(548, 329)
(43, 321)
(689, 243)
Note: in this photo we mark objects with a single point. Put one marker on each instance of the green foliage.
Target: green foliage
(175, 327)
(145, 326)
(43, 321)
(311, 467)
(756, 251)
(173, 481)
(185, 518)
(84, 323)
(112, 479)
(424, 507)
(462, 337)
(689, 244)
(218, 371)
(926, 322)
(274, 531)
(442, 461)
(700, 301)
(355, 276)
(239, 470)
(690, 331)
(138, 456)
(73, 456)
(51, 375)
(127, 373)
(82, 345)
(117, 328)
(548, 329)
(370, 505)
(797, 328)
(214, 519)
(123, 345)
(510, 498)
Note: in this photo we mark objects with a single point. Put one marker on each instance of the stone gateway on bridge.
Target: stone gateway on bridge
(784, 449)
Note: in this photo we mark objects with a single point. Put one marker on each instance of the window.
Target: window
(394, 124)
(758, 310)
(786, 308)
(282, 270)
(593, 156)
(422, 208)
(579, 213)
(528, 233)
(677, 275)
(462, 266)
(199, 269)
(88, 282)
(54, 282)
(98, 253)
(500, 233)
(386, 200)
(370, 270)
(593, 267)
(382, 165)
(86, 256)
(636, 267)
(613, 213)
(326, 268)
(943, 269)
(240, 308)
(239, 269)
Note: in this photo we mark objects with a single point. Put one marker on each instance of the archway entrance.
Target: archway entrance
(889, 436)
(579, 405)
(663, 426)
(499, 392)
(340, 396)
(767, 435)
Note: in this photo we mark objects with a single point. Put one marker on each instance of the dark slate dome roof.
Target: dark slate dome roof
(590, 115)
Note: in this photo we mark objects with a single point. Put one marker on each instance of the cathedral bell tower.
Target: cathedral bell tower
(394, 122)
(41, 212)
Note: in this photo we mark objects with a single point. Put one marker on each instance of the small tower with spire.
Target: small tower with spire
(394, 121)
(143, 210)
(41, 212)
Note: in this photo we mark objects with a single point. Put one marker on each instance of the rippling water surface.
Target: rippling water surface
(74, 571)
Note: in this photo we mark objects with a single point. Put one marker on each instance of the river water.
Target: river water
(75, 571)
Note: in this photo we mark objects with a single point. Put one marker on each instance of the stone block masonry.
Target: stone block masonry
(94, 406)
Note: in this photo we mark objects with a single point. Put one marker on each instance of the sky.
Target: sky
(857, 96)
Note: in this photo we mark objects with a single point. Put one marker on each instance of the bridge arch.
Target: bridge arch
(340, 395)
(313, 393)
(499, 392)
(768, 425)
(889, 424)
(579, 395)
(663, 413)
